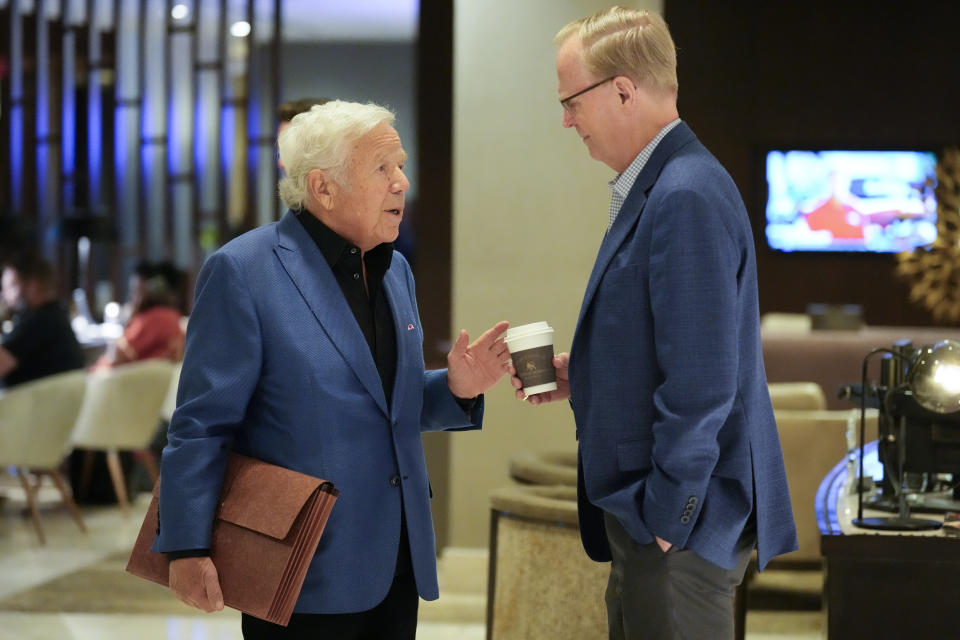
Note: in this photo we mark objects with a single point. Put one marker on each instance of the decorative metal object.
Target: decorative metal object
(934, 271)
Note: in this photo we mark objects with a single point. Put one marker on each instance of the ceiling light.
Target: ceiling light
(240, 29)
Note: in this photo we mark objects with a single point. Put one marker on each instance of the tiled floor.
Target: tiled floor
(24, 564)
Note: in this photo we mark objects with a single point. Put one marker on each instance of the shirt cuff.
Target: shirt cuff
(467, 404)
(187, 553)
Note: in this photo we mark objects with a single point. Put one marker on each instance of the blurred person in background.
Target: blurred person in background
(40, 341)
(155, 329)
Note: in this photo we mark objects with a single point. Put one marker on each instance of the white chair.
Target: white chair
(170, 401)
(774, 322)
(36, 419)
(805, 396)
(121, 412)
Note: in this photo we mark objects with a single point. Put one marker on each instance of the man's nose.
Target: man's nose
(401, 183)
(567, 120)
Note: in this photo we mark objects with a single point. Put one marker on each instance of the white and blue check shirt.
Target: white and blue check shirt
(621, 185)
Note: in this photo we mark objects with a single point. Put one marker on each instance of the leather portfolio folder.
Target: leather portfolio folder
(265, 533)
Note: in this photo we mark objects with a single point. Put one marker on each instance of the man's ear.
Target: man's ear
(321, 188)
(626, 90)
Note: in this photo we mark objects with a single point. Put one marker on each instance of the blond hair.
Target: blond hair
(322, 138)
(620, 41)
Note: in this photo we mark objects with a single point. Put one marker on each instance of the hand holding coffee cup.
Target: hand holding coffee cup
(531, 350)
(561, 362)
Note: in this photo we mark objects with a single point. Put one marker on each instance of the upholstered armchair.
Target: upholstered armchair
(121, 412)
(36, 419)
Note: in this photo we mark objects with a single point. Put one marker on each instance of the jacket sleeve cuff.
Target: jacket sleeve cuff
(187, 553)
(672, 515)
(443, 411)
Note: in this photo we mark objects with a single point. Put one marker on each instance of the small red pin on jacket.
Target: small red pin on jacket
(409, 327)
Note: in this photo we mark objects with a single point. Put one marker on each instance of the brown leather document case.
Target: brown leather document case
(264, 536)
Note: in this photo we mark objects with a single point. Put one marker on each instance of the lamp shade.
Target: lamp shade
(935, 377)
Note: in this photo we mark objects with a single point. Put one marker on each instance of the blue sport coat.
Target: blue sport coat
(676, 431)
(276, 368)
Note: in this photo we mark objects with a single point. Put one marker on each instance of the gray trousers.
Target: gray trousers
(652, 595)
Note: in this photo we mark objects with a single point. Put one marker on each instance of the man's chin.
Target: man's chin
(596, 154)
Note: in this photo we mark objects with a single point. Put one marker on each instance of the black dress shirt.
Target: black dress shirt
(367, 300)
(369, 304)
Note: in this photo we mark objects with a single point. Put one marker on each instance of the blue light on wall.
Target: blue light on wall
(16, 156)
(226, 139)
(199, 137)
(94, 128)
(16, 108)
(68, 116)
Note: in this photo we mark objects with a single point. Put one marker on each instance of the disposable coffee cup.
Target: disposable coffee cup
(531, 349)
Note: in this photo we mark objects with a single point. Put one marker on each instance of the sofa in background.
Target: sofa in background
(813, 440)
(834, 358)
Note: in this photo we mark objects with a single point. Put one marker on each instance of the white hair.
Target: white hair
(322, 138)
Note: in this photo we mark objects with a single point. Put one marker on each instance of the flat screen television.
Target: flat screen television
(850, 200)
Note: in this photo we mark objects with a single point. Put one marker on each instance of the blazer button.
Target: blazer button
(395, 481)
(685, 519)
(693, 500)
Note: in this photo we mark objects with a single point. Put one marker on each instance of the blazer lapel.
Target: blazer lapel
(631, 210)
(407, 339)
(312, 276)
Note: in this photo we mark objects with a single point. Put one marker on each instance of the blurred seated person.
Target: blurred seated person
(41, 341)
(155, 329)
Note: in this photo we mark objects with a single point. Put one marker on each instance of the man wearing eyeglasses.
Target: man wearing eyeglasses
(680, 470)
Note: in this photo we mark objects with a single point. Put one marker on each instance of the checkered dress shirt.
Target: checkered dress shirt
(621, 185)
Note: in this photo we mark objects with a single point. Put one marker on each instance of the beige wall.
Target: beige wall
(530, 209)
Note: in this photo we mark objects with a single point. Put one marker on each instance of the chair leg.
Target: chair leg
(29, 490)
(67, 498)
(86, 472)
(148, 460)
(119, 484)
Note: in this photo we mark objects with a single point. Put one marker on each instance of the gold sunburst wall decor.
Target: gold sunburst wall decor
(933, 271)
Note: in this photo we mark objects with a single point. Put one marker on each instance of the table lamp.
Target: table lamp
(933, 381)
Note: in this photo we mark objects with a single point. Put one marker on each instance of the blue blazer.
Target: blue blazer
(276, 368)
(676, 431)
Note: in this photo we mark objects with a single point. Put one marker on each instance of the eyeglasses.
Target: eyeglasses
(565, 103)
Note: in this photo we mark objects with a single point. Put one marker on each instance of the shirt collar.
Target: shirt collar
(622, 184)
(333, 246)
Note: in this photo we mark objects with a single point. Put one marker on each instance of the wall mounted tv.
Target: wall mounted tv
(850, 200)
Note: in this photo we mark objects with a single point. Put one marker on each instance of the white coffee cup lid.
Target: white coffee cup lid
(527, 329)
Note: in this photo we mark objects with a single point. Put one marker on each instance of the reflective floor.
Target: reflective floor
(25, 564)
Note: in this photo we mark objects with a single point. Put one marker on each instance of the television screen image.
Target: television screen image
(867, 201)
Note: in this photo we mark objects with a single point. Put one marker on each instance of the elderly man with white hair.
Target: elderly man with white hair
(305, 350)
